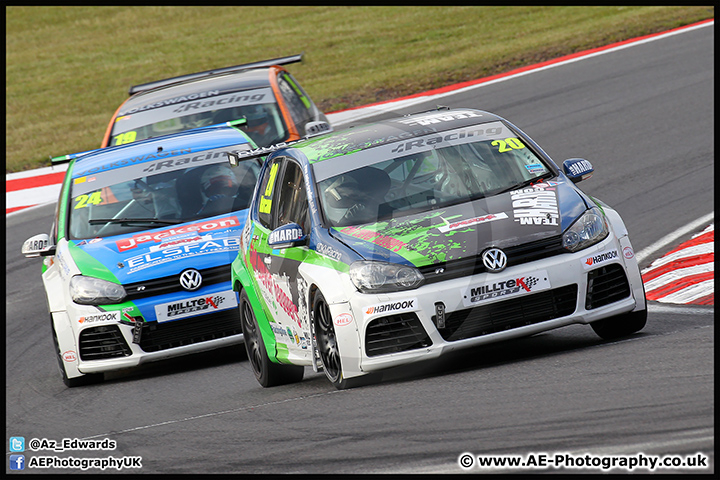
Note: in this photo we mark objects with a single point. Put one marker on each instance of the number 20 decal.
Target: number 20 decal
(508, 144)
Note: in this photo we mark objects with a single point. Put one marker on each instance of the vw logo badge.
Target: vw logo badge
(494, 260)
(190, 279)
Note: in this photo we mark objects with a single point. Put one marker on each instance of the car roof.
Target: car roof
(371, 135)
(157, 148)
(211, 85)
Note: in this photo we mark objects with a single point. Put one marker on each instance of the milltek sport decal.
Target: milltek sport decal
(189, 307)
(508, 287)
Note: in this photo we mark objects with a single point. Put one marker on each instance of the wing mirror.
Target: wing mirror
(290, 235)
(38, 246)
(577, 169)
(313, 129)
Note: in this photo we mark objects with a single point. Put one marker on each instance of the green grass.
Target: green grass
(69, 68)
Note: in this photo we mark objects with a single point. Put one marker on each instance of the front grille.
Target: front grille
(395, 333)
(516, 255)
(105, 341)
(161, 336)
(606, 285)
(160, 286)
(509, 314)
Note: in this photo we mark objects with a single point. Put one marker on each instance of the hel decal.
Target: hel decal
(343, 319)
(69, 356)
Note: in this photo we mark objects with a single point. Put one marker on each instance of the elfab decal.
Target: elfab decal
(535, 206)
(600, 258)
(188, 307)
(100, 317)
(471, 221)
(391, 307)
(134, 241)
(343, 319)
(508, 287)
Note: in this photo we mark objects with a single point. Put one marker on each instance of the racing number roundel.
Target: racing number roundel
(190, 279)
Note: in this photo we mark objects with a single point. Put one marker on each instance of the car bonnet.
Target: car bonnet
(161, 252)
(538, 212)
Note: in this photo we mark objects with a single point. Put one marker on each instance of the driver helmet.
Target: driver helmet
(219, 180)
(257, 119)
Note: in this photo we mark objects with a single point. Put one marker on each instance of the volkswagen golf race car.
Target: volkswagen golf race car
(272, 102)
(137, 265)
(394, 242)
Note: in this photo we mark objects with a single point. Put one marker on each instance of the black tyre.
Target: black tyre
(86, 379)
(329, 351)
(267, 373)
(621, 325)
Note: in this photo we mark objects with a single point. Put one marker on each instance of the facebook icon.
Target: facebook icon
(17, 462)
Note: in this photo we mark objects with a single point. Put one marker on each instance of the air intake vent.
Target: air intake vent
(105, 341)
(606, 285)
(395, 333)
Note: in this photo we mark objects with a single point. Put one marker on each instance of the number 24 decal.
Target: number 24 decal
(83, 200)
(508, 144)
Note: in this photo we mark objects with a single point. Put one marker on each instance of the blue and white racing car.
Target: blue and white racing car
(137, 265)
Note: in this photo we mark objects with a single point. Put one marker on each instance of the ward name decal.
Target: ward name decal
(471, 221)
(508, 287)
(134, 241)
(377, 238)
(600, 258)
(285, 236)
(536, 205)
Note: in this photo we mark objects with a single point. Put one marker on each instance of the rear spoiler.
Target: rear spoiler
(313, 129)
(263, 63)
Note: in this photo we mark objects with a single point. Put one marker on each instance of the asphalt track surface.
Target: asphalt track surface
(644, 117)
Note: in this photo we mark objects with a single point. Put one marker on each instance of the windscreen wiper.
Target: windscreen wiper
(526, 183)
(126, 221)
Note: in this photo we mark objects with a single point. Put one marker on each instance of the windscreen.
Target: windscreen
(263, 120)
(149, 196)
(428, 175)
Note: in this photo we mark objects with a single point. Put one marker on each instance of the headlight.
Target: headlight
(587, 230)
(93, 291)
(380, 277)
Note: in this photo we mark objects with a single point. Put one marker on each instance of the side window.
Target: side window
(267, 188)
(292, 205)
(301, 109)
